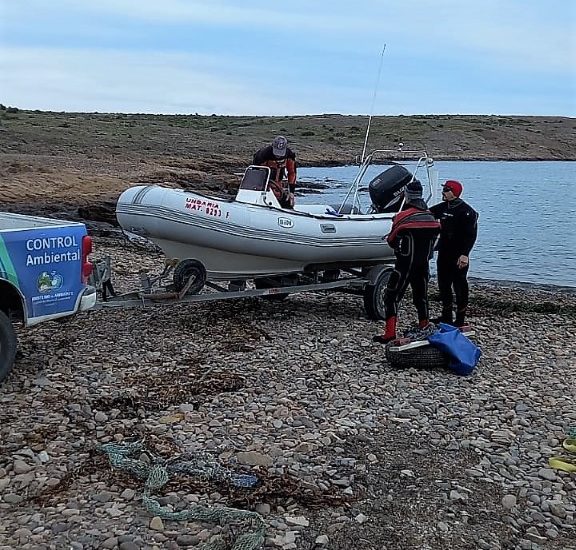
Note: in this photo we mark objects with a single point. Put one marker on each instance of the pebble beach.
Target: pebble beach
(350, 452)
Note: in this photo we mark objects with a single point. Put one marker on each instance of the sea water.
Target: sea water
(527, 224)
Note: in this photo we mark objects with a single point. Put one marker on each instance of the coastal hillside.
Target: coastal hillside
(56, 161)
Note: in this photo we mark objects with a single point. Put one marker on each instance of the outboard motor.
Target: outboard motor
(387, 187)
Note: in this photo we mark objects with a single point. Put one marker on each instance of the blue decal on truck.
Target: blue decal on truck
(47, 266)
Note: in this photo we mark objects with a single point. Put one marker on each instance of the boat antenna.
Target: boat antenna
(373, 102)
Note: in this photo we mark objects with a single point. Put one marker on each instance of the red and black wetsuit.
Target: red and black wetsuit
(412, 237)
(279, 168)
(459, 222)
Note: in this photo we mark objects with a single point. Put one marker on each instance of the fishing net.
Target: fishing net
(134, 459)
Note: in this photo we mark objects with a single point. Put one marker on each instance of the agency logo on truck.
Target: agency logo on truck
(50, 281)
(44, 269)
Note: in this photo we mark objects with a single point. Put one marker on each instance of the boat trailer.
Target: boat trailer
(185, 282)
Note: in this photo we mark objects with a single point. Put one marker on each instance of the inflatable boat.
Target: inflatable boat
(251, 236)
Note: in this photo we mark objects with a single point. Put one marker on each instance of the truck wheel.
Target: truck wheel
(189, 269)
(374, 296)
(8, 344)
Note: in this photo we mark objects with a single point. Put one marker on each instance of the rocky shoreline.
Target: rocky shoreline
(350, 452)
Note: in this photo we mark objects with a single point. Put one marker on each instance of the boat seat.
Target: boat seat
(316, 209)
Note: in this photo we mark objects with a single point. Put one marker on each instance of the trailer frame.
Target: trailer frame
(366, 281)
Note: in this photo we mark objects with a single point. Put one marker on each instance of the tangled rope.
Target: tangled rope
(156, 473)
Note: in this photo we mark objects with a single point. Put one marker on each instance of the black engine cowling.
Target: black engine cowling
(387, 187)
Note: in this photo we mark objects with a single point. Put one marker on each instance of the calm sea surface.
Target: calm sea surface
(527, 225)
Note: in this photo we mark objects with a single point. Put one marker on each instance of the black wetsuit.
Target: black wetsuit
(412, 237)
(459, 223)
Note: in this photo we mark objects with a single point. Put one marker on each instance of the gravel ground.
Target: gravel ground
(351, 453)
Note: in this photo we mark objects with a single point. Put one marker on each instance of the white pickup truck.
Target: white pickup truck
(44, 269)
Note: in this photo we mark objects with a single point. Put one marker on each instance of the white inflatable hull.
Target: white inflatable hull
(236, 239)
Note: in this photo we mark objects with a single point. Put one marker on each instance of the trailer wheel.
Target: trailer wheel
(425, 357)
(374, 295)
(189, 269)
(8, 345)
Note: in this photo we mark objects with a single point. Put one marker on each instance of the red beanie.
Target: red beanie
(454, 186)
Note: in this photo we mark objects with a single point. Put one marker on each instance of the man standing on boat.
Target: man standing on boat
(459, 222)
(282, 163)
(412, 236)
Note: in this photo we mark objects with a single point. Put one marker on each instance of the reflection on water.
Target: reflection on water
(527, 230)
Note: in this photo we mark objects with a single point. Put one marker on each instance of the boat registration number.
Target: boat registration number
(209, 208)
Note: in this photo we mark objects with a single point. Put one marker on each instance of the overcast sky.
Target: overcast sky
(260, 57)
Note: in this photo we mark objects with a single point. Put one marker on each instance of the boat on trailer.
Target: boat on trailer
(250, 237)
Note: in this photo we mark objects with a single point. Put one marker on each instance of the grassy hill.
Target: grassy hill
(316, 138)
(72, 159)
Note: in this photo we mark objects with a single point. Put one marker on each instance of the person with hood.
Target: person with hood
(412, 236)
(282, 163)
(459, 229)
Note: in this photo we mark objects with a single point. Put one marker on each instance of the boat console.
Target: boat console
(255, 188)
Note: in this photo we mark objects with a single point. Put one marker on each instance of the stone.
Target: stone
(263, 508)
(253, 458)
(12, 498)
(128, 494)
(21, 467)
(187, 540)
(297, 520)
(557, 509)
(361, 518)
(443, 526)
(547, 473)
(509, 502)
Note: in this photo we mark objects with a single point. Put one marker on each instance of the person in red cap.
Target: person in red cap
(459, 229)
(282, 163)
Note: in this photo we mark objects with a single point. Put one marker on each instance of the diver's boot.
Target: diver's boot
(389, 332)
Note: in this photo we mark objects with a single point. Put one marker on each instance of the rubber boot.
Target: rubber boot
(389, 333)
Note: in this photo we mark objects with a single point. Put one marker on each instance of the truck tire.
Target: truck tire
(425, 357)
(8, 344)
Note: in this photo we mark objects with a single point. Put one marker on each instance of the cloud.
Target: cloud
(118, 81)
(300, 57)
(112, 81)
(519, 33)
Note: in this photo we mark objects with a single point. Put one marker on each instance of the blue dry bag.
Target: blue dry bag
(464, 354)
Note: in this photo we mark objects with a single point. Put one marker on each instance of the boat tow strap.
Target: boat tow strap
(566, 463)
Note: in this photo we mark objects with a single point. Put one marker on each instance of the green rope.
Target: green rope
(157, 473)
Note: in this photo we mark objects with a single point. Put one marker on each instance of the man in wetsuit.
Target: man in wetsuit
(459, 222)
(412, 236)
(282, 163)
